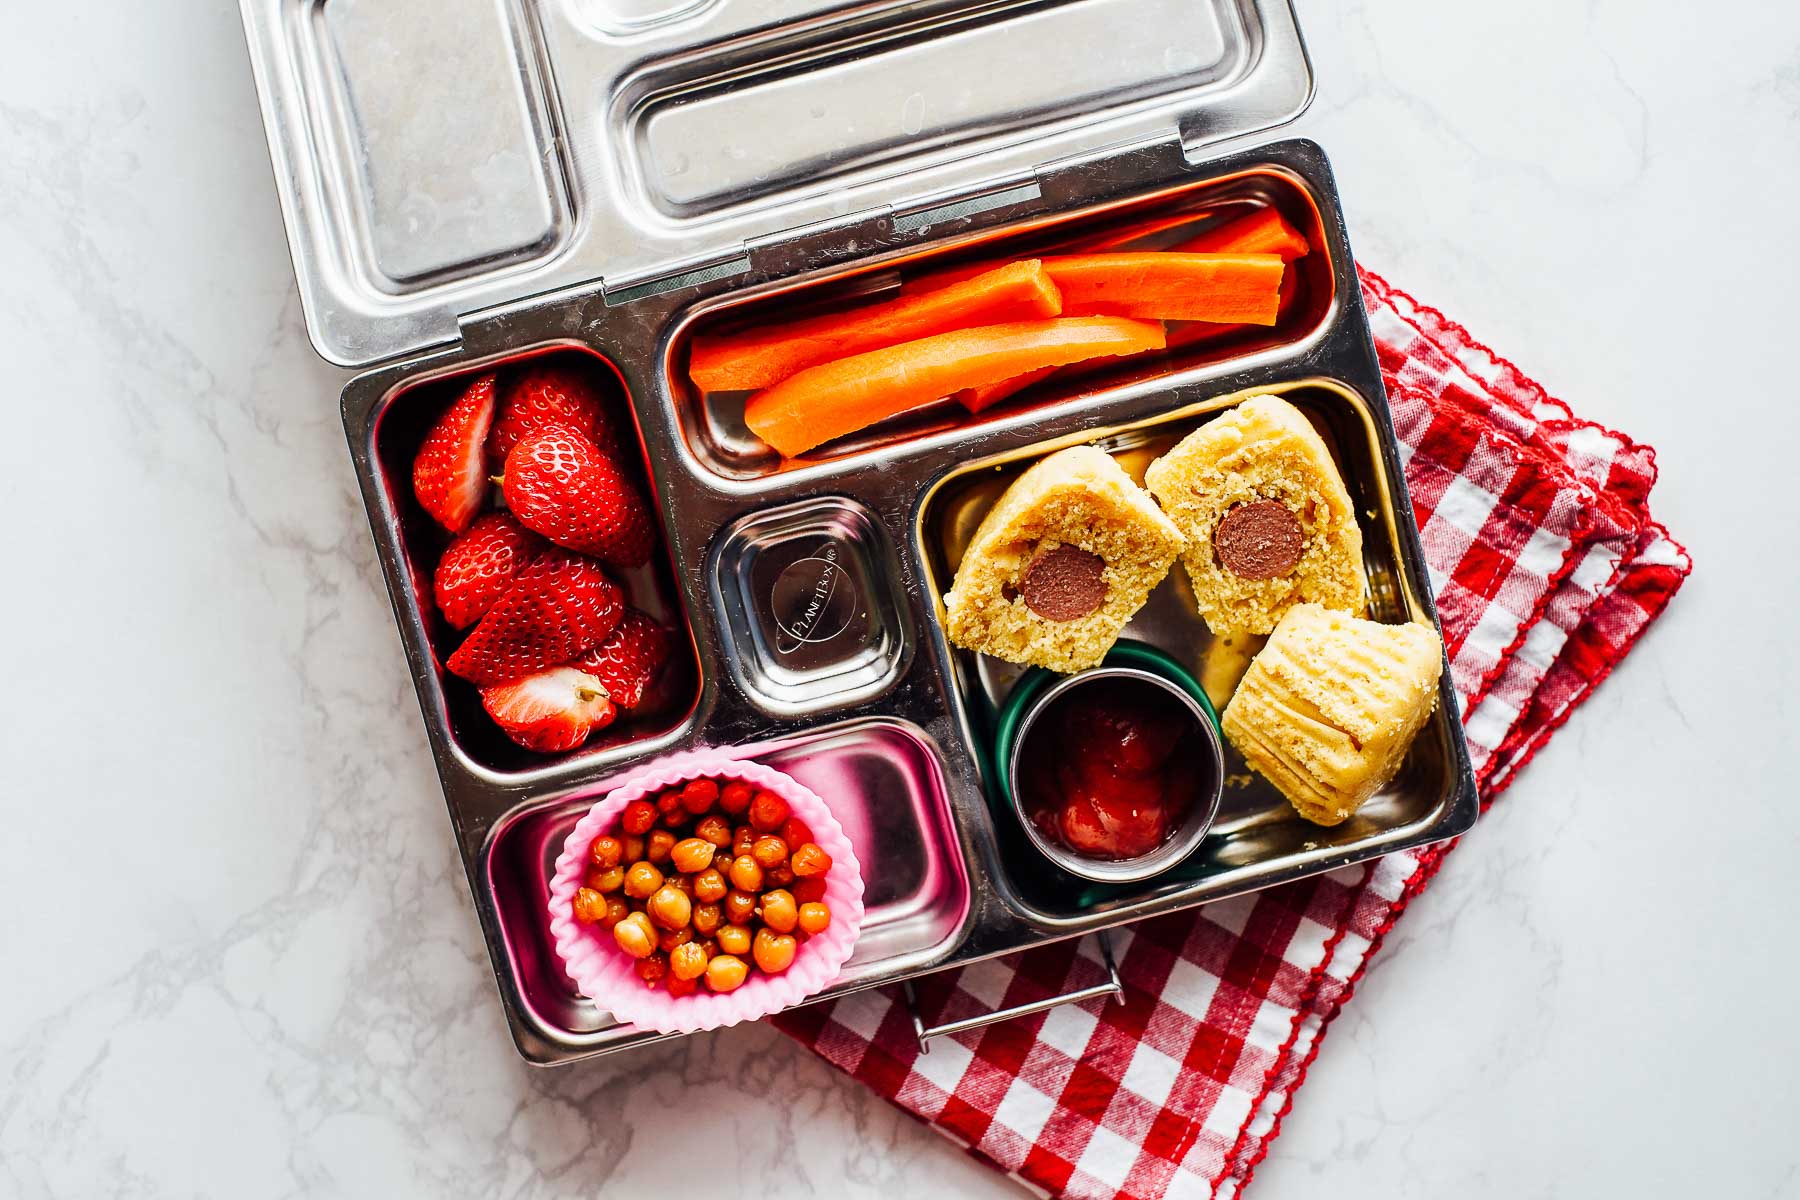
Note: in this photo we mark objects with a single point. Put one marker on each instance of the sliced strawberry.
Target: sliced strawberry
(480, 565)
(552, 710)
(561, 484)
(550, 394)
(449, 474)
(555, 610)
(628, 660)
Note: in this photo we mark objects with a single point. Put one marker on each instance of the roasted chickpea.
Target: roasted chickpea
(710, 945)
(740, 908)
(691, 854)
(616, 910)
(642, 881)
(707, 919)
(675, 820)
(639, 816)
(659, 846)
(635, 936)
(683, 884)
(796, 832)
(779, 876)
(815, 917)
(742, 838)
(773, 952)
(590, 905)
(734, 939)
(666, 942)
(726, 973)
(699, 794)
(611, 879)
(634, 848)
(669, 907)
(715, 830)
(809, 891)
(767, 812)
(688, 961)
(735, 796)
(810, 860)
(769, 851)
(745, 874)
(710, 886)
(668, 802)
(677, 986)
(607, 851)
(779, 911)
(654, 969)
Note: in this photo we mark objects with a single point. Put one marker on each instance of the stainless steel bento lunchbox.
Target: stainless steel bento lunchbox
(474, 182)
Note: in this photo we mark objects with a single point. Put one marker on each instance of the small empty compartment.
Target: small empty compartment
(400, 426)
(917, 85)
(810, 606)
(437, 120)
(884, 782)
(1256, 825)
(713, 425)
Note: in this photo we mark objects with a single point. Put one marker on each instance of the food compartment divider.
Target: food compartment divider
(639, 336)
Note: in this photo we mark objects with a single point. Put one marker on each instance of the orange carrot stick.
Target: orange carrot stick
(977, 398)
(1264, 231)
(835, 398)
(1152, 285)
(761, 357)
(1189, 333)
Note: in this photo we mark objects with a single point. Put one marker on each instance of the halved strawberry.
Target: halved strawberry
(550, 393)
(449, 473)
(563, 486)
(630, 658)
(556, 609)
(480, 565)
(552, 710)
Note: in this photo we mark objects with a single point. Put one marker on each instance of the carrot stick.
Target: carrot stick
(977, 398)
(761, 357)
(1264, 231)
(835, 398)
(1190, 333)
(1152, 285)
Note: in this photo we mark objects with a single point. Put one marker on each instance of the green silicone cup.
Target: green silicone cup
(1028, 693)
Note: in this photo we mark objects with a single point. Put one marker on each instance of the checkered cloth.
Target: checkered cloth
(1547, 568)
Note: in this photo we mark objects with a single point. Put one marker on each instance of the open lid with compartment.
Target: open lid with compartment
(439, 158)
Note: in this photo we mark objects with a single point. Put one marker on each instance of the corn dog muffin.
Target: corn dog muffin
(1268, 521)
(1060, 563)
(1328, 708)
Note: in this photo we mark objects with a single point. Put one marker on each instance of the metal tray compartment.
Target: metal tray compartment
(395, 434)
(1256, 826)
(712, 425)
(884, 782)
(506, 814)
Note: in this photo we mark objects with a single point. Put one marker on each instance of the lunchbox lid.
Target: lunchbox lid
(437, 159)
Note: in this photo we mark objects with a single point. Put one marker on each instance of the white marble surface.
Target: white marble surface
(239, 957)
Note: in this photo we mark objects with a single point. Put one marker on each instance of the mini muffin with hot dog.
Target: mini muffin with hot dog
(1268, 521)
(1060, 563)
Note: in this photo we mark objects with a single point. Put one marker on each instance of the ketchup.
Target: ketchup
(1112, 768)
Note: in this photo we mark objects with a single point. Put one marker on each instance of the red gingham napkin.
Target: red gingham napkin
(1547, 568)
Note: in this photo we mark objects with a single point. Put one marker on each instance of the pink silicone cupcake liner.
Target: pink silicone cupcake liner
(607, 975)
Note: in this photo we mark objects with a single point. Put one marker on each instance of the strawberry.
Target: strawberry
(449, 474)
(630, 658)
(561, 485)
(556, 609)
(552, 710)
(480, 565)
(545, 395)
